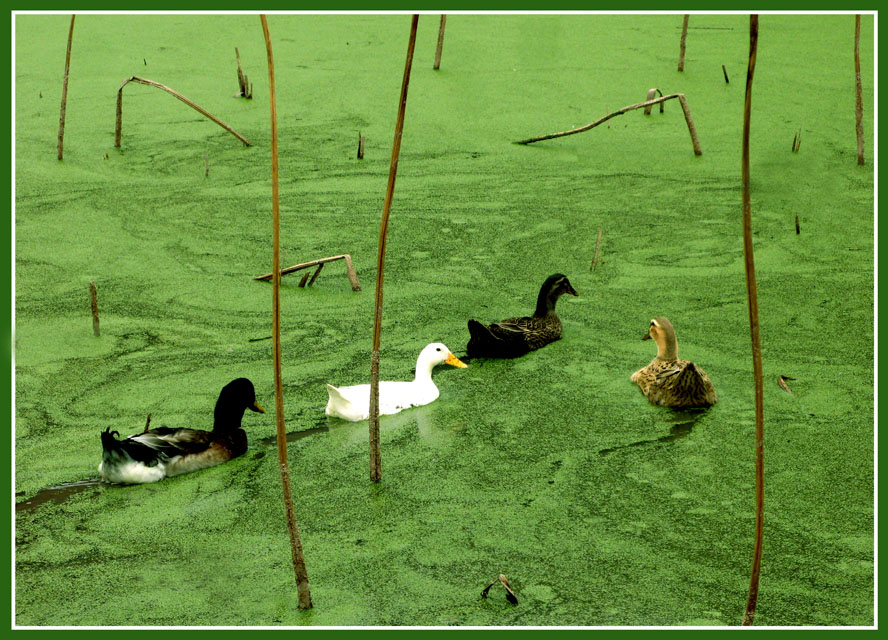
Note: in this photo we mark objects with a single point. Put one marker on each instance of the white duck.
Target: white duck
(353, 403)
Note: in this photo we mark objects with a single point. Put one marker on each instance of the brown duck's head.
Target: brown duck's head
(662, 332)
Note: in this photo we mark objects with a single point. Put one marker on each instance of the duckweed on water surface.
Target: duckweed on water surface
(552, 468)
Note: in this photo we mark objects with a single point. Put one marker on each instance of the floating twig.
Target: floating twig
(65, 90)
(597, 249)
(258, 339)
(301, 573)
(798, 231)
(725, 71)
(684, 107)
(360, 147)
(797, 141)
(440, 42)
(95, 307)
(179, 96)
(782, 382)
(349, 266)
(246, 87)
(684, 35)
(652, 93)
(510, 593)
(858, 111)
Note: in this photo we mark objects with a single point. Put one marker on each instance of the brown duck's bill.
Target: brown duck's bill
(257, 407)
(456, 362)
(646, 336)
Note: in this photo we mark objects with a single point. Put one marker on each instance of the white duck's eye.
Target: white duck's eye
(438, 349)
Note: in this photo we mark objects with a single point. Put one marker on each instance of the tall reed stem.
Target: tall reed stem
(752, 298)
(375, 462)
(65, 91)
(858, 112)
(684, 36)
(292, 526)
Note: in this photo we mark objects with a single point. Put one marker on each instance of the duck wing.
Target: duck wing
(154, 446)
(533, 331)
(687, 385)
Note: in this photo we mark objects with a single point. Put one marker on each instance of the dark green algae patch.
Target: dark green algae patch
(551, 469)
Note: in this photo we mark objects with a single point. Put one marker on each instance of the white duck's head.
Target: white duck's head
(433, 355)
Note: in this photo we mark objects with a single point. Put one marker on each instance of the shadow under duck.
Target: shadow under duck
(514, 337)
(158, 453)
(671, 382)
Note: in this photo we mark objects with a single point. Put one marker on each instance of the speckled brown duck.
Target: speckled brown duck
(671, 382)
(514, 337)
(166, 451)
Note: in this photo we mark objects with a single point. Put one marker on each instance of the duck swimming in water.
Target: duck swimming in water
(671, 382)
(353, 403)
(514, 337)
(165, 451)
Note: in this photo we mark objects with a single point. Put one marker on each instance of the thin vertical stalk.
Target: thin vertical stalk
(94, 303)
(859, 110)
(752, 298)
(292, 526)
(375, 463)
(65, 90)
(684, 35)
(440, 42)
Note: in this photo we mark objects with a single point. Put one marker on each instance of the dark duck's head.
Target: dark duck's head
(235, 397)
(553, 288)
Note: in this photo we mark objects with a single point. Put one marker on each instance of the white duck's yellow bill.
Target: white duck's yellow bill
(454, 361)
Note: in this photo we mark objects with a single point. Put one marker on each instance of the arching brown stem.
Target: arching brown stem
(752, 298)
(292, 526)
(375, 462)
(152, 83)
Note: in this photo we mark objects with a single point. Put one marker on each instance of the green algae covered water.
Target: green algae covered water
(551, 469)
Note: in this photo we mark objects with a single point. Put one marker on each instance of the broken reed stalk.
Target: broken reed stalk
(207, 165)
(299, 569)
(725, 72)
(246, 90)
(858, 112)
(152, 83)
(681, 98)
(94, 302)
(684, 35)
(798, 230)
(752, 298)
(349, 266)
(440, 42)
(360, 147)
(652, 93)
(375, 461)
(65, 90)
(597, 249)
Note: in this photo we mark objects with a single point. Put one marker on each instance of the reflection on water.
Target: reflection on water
(683, 421)
(58, 494)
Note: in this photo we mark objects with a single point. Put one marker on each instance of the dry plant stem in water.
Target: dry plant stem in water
(65, 91)
(94, 303)
(440, 42)
(152, 83)
(299, 569)
(859, 108)
(684, 106)
(752, 298)
(375, 462)
(684, 36)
